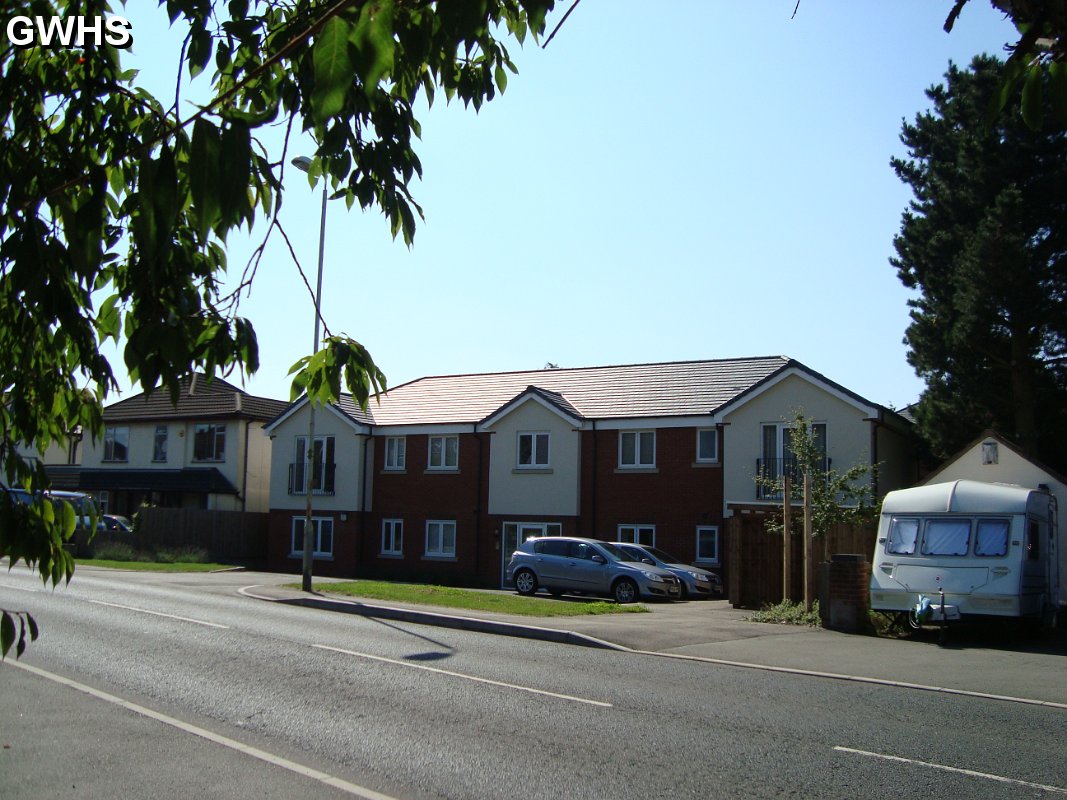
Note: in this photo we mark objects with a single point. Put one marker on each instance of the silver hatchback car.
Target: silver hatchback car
(563, 564)
(696, 582)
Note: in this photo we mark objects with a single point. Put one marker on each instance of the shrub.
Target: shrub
(182, 555)
(788, 613)
(119, 551)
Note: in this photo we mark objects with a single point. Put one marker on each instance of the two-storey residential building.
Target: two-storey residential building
(205, 449)
(444, 476)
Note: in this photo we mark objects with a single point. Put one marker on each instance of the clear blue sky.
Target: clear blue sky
(683, 180)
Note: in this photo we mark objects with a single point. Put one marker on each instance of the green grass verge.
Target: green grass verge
(473, 600)
(150, 566)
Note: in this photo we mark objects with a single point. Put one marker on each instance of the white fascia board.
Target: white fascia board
(633, 423)
(443, 429)
(357, 427)
(503, 411)
(733, 405)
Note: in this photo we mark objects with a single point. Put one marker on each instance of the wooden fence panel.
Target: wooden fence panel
(226, 535)
(755, 566)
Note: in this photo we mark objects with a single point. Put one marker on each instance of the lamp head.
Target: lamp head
(302, 163)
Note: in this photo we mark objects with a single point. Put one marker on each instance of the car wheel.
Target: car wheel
(624, 591)
(684, 594)
(525, 582)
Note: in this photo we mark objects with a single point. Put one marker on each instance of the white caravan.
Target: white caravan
(990, 547)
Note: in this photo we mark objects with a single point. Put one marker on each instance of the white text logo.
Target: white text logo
(69, 32)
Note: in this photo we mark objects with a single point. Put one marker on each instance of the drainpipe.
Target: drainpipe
(363, 496)
(592, 491)
(874, 455)
(478, 506)
(244, 477)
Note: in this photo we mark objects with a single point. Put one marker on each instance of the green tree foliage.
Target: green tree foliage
(1037, 62)
(984, 243)
(115, 208)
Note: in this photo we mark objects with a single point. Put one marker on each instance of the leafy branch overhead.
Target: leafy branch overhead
(115, 210)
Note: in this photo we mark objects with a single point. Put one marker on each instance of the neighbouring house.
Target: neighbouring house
(992, 458)
(442, 477)
(204, 450)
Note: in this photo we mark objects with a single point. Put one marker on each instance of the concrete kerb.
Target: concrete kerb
(417, 617)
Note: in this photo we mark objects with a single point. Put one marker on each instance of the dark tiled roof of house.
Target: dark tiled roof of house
(636, 390)
(198, 399)
(350, 408)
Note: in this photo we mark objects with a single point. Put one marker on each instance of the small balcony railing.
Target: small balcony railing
(771, 471)
(322, 480)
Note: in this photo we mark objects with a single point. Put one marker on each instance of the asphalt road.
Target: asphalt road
(178, 686)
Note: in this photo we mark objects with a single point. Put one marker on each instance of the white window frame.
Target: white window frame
(298, 537)
(703, 459)
(214, 428)
(392, 542)
(631, 534)
(440, 551)
(533, 436)
(324, 447)
(714, 530)
(444, 466)
(396, 453)
(111, 437)
(156, 442)
(638, 462)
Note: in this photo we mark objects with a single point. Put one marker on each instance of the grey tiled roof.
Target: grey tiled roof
(637, 390)
(197, 400)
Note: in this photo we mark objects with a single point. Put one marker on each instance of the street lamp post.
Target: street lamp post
(303, 163)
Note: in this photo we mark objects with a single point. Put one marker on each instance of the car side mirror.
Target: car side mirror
(648, 561)
(599, 559)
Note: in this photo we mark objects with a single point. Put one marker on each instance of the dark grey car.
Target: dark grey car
(563, 564)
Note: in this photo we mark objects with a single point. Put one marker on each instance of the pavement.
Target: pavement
(997, 662)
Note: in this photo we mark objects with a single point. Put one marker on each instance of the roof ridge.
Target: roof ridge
(592, 368)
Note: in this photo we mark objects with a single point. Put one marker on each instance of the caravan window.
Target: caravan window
(991, 539)
(903, 534)
(947, 537)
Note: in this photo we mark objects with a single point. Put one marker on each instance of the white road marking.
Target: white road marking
(159, 614)
(972, 773)
(203, 733)
(474, 678)
(130, 608)
(837, 676)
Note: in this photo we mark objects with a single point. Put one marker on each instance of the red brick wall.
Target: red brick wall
(346, 544)
(417, 495)
(676, 496)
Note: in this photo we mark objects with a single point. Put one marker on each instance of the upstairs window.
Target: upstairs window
(159, 444)
(116, 443)
(209, 442)
(637, 448)
(396, 450)
(444, 452)
(533, 450)
(707, 445)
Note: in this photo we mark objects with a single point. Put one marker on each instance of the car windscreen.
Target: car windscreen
(664, 556)
(615, 552)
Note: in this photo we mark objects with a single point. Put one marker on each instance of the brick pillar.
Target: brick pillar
(850, 577)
